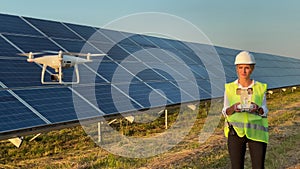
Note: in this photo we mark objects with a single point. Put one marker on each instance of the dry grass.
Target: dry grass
(72, 148)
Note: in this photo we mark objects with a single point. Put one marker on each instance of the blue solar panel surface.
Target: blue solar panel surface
(15, 115)
(139, 72)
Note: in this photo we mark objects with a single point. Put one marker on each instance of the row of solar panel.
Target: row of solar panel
(87, 31)
(21, 25)
(118, 54)
(56, 104)
(139, 72)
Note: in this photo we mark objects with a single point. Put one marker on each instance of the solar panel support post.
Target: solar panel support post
(166, 119)
(17, 141)
(270, 92)
(206, 107)
(99, 132)
(34, 137)
(282, 90)
(121, 126)
(192, 107)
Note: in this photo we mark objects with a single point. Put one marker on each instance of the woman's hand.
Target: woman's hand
(234, 108)
(256, 109)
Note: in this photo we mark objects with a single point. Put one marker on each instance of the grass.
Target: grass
(280, 152)
(72, 148)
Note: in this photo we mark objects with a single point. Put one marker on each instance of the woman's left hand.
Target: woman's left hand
(256, 109)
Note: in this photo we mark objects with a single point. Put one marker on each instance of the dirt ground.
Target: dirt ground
(283, 149)
(278, 133)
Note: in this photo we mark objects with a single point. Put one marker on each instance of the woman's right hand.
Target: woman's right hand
(232, 109)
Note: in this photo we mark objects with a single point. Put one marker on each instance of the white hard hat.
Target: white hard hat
(244, 57)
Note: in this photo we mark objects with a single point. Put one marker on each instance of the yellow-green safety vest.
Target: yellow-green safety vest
(255, 127)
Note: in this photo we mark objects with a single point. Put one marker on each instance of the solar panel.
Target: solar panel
(15, 115)
(52, 29)
(74, 45)
(31, 44)
(16, 25)
(83, 31)
(139, 72)
(7, 49)
(14, 73)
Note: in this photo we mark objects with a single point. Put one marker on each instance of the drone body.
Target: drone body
(59, 61)
(54, 62)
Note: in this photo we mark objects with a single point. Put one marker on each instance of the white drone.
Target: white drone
(59, 61)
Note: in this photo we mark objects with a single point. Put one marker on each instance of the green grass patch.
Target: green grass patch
(278, 156)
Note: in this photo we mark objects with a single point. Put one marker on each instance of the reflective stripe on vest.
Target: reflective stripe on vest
(253, 126)
(248, 125)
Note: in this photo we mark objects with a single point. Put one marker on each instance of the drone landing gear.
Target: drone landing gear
(54, 77)
(58, 78)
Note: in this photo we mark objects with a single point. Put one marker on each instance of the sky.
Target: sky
(259, 26)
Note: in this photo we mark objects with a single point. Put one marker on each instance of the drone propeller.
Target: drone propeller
(30, 53)
(75, 53)
(100, 54)
(87, 54)
(52, 52)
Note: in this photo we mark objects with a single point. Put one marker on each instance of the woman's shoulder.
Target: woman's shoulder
(231, 84)
(261, 84)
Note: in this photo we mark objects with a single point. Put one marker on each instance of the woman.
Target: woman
(245, 112)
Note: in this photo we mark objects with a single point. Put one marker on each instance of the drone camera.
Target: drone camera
(67, 64)
(54, 77)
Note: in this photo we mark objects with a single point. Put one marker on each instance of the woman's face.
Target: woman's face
(244, 71)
